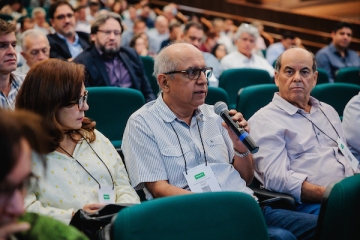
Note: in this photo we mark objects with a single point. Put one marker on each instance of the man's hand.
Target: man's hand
(91, 208)
(13, 228)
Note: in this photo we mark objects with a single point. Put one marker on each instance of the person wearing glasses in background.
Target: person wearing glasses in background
(21, 135)
(65, 43)
(109, 64)
(83, 169)
(35, 48)
(178, 134)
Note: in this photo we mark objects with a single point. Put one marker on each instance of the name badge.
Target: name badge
(202, 179)
(347, 154)
(106, 195)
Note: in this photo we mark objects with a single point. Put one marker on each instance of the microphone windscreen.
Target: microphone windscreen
(219, 107)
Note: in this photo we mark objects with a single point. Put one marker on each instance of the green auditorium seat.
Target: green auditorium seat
(149, 70)
(216, 94)
(348, 75)
(335, 94)
(210, 216)
(252, 98)
(339, 216)
(233, 80)
(111, 107)
(323, 76)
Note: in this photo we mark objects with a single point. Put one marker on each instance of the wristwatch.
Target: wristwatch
(242, 155)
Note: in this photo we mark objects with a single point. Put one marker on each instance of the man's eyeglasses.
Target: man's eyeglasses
(194, 73)
(108, 32)
(63, 16)
(81, 101)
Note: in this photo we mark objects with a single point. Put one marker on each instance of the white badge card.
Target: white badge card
(347, 154)
(202, 179)
(106, 195)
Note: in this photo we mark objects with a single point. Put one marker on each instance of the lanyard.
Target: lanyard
(202, 143)
(85, 168)
(319, 128)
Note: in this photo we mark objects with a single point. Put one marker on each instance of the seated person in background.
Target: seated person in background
(35, 48)
(260, 42)
(167, 138)
(65, 43)
(20, 134)
(81, 165)
(81, 24)
(39, 16)
(245, 40)
(219, 51)
(350, 123)
(174, 34)
(158, 34)
(337, 55)
(275, 49)
(209, 42)
(10, 81)
(128, 34)
(298, 135)
(138, 43)
(109, 64)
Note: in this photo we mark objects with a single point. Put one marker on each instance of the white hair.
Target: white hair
(247, 28)
(34, 33)
(37, 10)
(164, 62)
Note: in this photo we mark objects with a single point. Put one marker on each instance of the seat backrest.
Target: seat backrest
(233, 80)
(252, 98)
(148, 63)
(348, 75)
(323, 76)
(339, 216)
(111, 107)
(216, 94)
(215, 215)
(335, 94)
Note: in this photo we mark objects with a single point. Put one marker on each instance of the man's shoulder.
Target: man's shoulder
(86, 55)
(324, 51)
(83, 35)
(53, 37)
(145, 111)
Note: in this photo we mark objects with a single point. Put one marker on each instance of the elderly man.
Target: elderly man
(178, 134)
(275, 49)
(299, 136)
(10, 81)
(244, 58)
(35, 48)
(109, 64)
(350, 123)
(65, 43)
(337, 55)
(158, 34)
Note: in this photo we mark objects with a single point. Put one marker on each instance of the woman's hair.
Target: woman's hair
(50, 85)
(213, 51)
(133, 40)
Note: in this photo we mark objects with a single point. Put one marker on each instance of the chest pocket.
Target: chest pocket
(217, 140)
(176, 151)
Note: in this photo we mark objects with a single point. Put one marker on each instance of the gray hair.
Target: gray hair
(247, 28)
(278, 60)
(164, 62)
(102, 18)
(34, 33)
(37, 10)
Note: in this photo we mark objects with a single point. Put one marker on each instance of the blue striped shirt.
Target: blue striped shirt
(153, 153)
(16, 82)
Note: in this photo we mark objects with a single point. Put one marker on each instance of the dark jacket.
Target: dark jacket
(59, 49)
(98, 75)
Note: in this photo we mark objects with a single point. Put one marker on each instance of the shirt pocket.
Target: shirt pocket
(175, 155)
(217, 140)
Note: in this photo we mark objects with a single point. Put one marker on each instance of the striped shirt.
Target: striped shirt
(16, 82)
(152, 150)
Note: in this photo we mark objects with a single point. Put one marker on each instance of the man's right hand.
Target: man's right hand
(12, 228)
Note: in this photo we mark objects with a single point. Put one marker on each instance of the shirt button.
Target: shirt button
(318, 133)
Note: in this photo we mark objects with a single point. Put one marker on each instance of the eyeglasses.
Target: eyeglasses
(108, 32)
(36, 52)
(194, 73)
(81, 101)
(63, 16)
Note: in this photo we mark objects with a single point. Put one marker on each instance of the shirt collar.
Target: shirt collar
(333, 49)
(64, 38)
(290, 108)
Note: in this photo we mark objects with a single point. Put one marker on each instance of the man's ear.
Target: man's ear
(163, 82)
(92, 37)
(276, 78)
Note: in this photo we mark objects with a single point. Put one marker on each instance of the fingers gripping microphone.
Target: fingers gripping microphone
(221, 109)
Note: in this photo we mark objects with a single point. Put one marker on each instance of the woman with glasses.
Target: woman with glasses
(83, 169)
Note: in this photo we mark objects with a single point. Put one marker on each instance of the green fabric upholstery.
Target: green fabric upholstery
(335, 94)
(6, 17)
(216, 94)
(348, 75)
(214, 215)
(148, 63)
(233, 80)
(339, 216)
(252, 98)
(111, 107)
(323, 76)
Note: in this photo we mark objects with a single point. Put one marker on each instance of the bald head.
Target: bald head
(295, 51)
(161, 24)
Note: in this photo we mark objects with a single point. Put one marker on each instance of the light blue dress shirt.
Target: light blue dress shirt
(75, 48)
(350, 123)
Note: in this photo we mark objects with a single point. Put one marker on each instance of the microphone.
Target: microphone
(221, 109)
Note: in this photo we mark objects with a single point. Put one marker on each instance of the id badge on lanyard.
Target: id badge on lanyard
(202, 179)
(347, 154)
(106, 194)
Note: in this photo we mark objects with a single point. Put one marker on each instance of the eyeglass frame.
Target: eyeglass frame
(192, 69)
(62, 17)
(82, 98)
(108, 32)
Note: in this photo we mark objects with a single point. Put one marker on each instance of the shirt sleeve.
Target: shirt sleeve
(323, 62)
(272, 164)
(351, 129)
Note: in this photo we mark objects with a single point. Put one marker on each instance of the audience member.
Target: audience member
(225, 34)
(35, 48)
(350, 123)
(26, 23)
(244, 57)
(15, 9)
(178, 134)
(109, 64)
(139, 27)
(65, 43)
(275, 49)
(145, 15)
(210, 41)
(81, 24)
(10, 81)
(138, 43)
(158, 34)
(130, 17)
(170, 12)
(174, 34)
(40, 3)
(337, 54)
(39, 16)
(298, 135)
(260, 42)
(219, 51)
(81, 165)
(94, 8)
